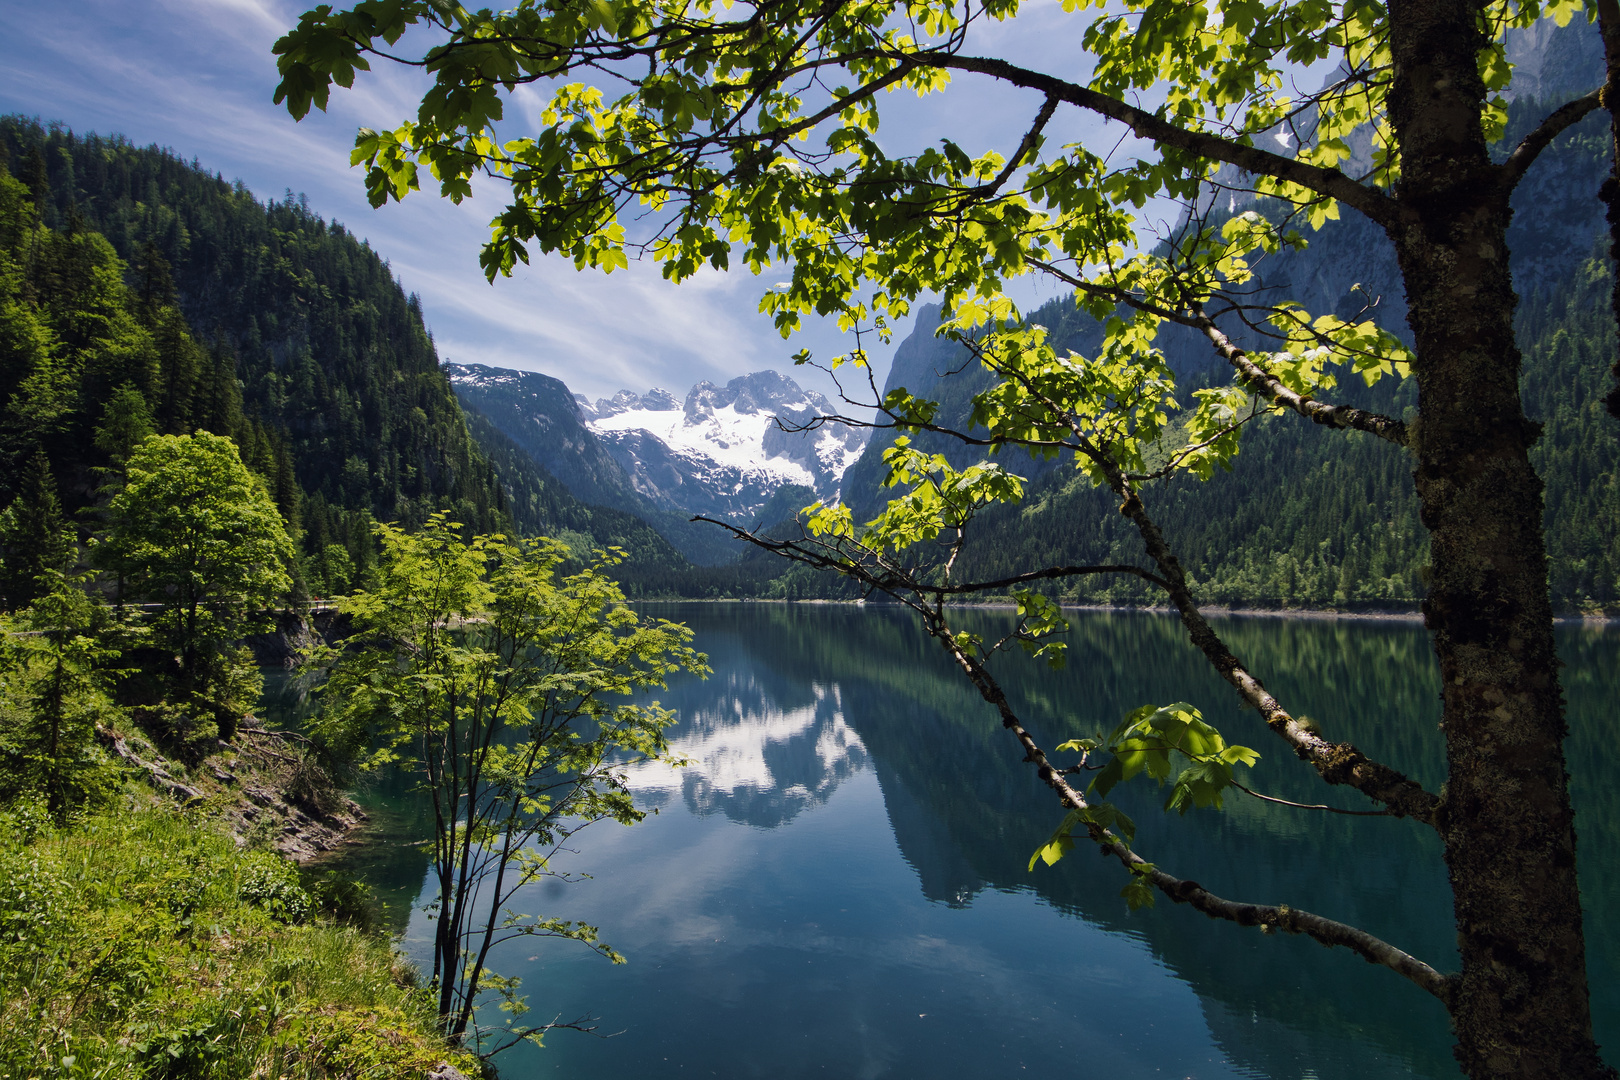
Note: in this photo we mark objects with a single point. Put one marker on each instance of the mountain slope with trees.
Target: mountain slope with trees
(259, 321)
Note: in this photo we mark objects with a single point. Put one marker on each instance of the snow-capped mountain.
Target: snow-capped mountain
(719, 454)
(723, 452)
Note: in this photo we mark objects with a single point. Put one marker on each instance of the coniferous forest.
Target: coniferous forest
(138, 271)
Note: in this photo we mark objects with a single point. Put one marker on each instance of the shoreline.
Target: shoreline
(1212, 610)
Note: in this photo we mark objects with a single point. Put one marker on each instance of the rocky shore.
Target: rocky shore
(259, 786)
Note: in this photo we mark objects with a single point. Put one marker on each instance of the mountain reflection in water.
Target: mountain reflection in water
(753, 757)
(838, 883)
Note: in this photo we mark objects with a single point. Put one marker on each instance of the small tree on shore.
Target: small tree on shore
(497, 680)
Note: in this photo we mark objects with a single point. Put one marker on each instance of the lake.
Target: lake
(838, 885)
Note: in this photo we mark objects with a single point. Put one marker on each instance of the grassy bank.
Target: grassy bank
(147, 944)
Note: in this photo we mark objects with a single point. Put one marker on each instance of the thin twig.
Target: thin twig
(1312, 806)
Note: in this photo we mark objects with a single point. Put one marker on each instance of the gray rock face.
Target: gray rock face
(656, 399)
(761, 391)
(1556, 63)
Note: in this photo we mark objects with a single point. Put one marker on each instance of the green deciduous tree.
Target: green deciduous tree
(748, 132)
(499, 682)
(195, 534)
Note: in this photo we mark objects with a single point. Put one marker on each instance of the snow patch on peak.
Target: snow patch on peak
(724, 435)
(722, 450)
(656, 400)
(477, 375)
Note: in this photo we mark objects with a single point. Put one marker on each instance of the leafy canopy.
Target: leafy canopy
(700, 134)
(197, 533)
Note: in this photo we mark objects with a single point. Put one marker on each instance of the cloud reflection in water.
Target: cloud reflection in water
(753, 759)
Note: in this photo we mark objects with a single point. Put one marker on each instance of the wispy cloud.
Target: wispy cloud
(198, 76)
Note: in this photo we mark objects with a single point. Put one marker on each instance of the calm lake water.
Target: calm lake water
(838, 887)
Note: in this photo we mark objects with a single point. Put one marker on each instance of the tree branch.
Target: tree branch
(1148, 125)
(1531, 146)
(792, 549)
(1335, 416)
(1031, 137)
(1268, 917)
(1309, 806)
(1337, 763)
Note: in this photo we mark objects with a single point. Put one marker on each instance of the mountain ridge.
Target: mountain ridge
(717, 453)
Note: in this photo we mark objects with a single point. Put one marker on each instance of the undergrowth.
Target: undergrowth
(145, 944)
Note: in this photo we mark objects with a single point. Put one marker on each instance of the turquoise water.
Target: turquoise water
(838, 887)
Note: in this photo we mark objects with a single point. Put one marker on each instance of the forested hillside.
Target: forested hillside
(262, 321)
(1309, 516)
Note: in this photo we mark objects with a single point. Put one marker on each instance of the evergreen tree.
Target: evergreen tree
(53, 671)
(36, 541)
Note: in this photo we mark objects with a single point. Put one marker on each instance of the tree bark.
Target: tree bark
(1522, 1006)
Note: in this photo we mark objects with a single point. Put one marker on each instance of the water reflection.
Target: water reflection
(753, 758)
(838, 882)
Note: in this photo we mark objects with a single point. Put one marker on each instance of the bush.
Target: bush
(271, 883)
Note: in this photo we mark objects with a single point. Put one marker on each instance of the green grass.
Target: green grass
(145, 944)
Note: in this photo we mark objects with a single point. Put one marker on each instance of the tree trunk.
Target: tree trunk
(1609, 28)
(1521, 1007)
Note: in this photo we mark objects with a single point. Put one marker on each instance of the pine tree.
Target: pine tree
(35, 538)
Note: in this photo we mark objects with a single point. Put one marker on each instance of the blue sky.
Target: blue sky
(198, 76)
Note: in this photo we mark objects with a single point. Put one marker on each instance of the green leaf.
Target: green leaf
(1058, 844)
(1138, 891)
(1103, 815)
(1148, 740)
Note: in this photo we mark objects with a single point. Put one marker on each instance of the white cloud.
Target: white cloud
(198, 76)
